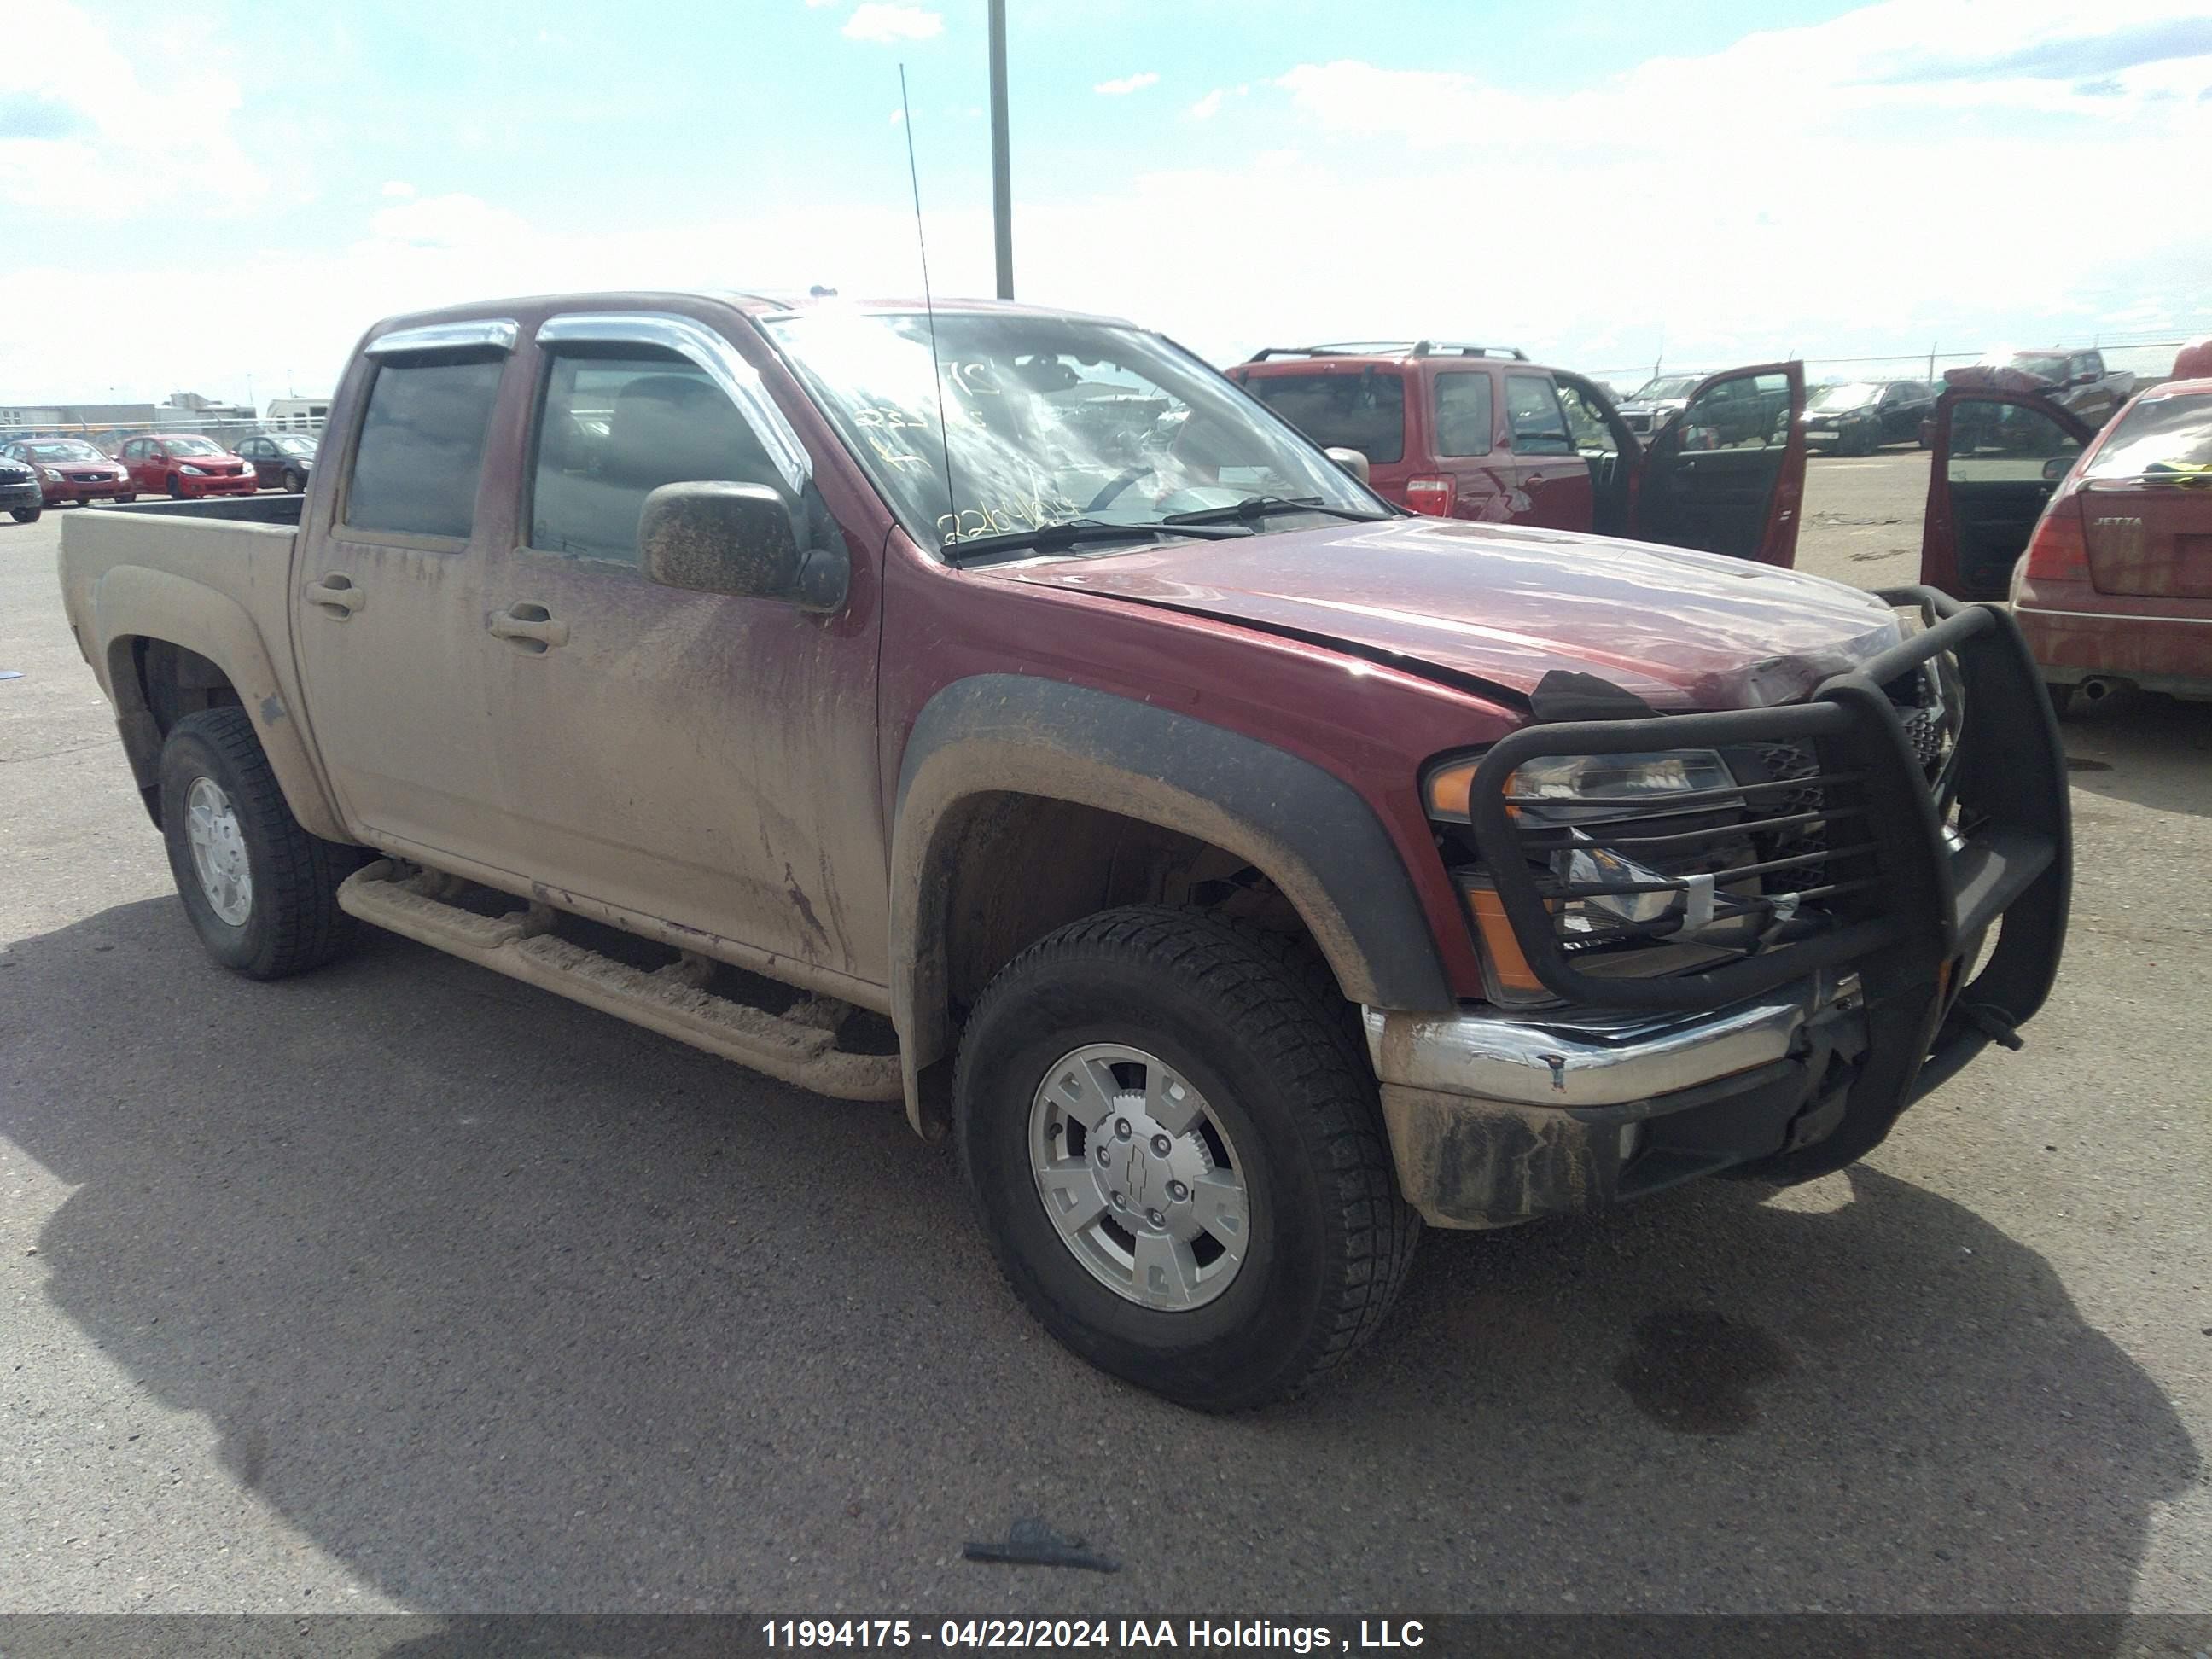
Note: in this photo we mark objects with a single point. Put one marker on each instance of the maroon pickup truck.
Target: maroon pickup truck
(999, 711)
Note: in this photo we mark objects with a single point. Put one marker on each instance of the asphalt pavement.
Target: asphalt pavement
(406, 1286)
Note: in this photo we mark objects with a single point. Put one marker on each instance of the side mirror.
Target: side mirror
(744, 539)
(1350, 460)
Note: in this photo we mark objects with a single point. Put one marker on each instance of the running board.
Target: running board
(798, 1046)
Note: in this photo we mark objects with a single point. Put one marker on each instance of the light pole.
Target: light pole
(1002, 186)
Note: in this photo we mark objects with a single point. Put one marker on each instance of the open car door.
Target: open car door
(1727, 475)
(2000, 447)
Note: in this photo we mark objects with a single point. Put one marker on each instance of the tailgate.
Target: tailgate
(2150, 540)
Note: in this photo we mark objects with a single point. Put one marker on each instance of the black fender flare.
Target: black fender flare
(1308, 830)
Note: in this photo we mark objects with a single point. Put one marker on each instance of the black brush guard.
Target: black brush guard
(1906, 935)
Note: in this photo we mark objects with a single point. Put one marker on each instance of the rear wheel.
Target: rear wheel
(1174, 1145)
(261, 892)
(126, 498)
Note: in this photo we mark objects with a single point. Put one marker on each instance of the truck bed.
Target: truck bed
(209, 578)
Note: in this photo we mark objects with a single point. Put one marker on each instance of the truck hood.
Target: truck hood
(1506, 606)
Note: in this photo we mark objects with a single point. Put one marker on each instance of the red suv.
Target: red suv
(187, 465)
(1480, 432)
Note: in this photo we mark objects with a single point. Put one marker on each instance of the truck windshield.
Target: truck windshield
(2159, 435)
(1667, 385)
(1046, 419)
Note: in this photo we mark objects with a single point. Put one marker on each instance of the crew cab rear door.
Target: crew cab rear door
(2001, 449)
(1728, 474)
(387, 591)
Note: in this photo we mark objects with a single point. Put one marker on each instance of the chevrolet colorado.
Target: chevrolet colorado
(996, 710)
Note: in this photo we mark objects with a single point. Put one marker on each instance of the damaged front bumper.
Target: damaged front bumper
(1498, 1118)
(1800, 1057)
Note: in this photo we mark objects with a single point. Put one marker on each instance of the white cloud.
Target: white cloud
(1207, 107)
(81, 133)
(1127, 84)
(397, 187)
(885, 23)
(1788, 193)
(456, 221)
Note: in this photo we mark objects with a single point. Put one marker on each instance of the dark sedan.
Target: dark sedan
(283, 460)
(1860, 417)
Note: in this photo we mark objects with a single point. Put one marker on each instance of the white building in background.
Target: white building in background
(297, 414)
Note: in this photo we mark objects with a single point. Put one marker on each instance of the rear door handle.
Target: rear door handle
(337, 596)
(529, 628)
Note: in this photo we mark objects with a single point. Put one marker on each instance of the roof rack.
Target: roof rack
(1391, 349)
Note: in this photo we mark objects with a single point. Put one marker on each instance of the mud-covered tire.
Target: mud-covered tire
(1255, 1031)
(292, 921)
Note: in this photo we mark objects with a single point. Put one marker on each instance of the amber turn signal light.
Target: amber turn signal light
(1507, 964)
(1448, 789)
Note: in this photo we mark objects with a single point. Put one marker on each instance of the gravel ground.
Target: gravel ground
(406, 1286)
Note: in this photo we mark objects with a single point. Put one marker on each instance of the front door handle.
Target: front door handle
(337, 596)
(529, 628)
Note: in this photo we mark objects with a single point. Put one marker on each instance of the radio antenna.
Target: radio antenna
(929, 309)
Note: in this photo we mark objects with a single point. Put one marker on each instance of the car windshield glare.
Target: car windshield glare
(1854, 395)
(1671, 385)
(1045, 420)
(2157, 436)
(191, 447)
(296, 446)
(68, 451)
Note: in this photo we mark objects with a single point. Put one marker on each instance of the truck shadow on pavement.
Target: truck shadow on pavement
(504, 1304)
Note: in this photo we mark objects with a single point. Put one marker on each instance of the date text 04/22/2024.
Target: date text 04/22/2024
(1021, 1635)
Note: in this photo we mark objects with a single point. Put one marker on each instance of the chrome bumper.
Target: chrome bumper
(1495, 1119)
(1548, 1057)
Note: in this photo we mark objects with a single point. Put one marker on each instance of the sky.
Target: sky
(220, 197)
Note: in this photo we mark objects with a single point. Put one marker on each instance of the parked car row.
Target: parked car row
(72, 472)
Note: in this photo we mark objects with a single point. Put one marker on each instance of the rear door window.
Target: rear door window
(1532, 406)
(1365, 411)
(422, 447)
(1464, 413)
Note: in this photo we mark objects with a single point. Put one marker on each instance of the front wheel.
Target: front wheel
(1173, 1142)
(176, 489)
(26, 515)
(293, 483)
(261, 893)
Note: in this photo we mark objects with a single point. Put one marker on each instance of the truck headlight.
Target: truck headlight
(1647, 906)
(1561, 788)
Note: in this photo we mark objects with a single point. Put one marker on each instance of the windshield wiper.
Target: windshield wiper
(1074, 533)
(1259, 506)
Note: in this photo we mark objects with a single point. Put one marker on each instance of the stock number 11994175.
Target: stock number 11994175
(1013, 1633)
